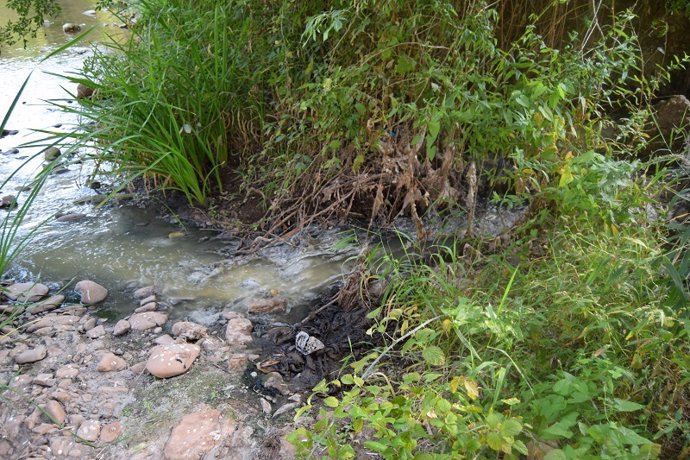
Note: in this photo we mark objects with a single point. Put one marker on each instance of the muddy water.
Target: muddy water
(122, 246)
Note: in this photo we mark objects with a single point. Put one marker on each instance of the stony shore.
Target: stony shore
(77, 386)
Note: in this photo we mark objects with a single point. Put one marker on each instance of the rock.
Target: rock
(89, 430)
(70, 217)
(26, 292)
(138, 368)
(55, 411)
(275, 381)
(31, 356)
(96, 332)
(111, 432)
(671, 113)
(289, 407)
(147, 299)
(238, 332)
(51, 153)
(110, 362)
(8, 132)
(239, 361)
(176, 235)
(44, 380)
(121, 328)
(91, 292)
(51, 303)
(52, 321)
(164, 339)
(307, 344)
(189, 331)
(144, 292)
(8, 202)
(147, 320)
(84, 92)
(265, 406)
(197, 434)
(274, 305)
(88, 323)
(71, 28)
(172, 360)
(151, 306)
(66, 372)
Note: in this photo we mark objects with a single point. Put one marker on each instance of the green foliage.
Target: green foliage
(577, 352)
(165, 100)
(32, 14)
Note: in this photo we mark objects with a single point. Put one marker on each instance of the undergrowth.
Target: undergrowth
(572, 342)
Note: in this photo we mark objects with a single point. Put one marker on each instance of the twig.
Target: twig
(370, 369)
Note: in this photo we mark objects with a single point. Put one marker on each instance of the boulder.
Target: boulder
(144, 292)
(111, 432)
(121, 328)
(55, 412)
(51, 303)
(89, 430)
(91, 293)
(171, 360)
(96, 332)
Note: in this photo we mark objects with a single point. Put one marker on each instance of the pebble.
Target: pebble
(31, 356)
(147, 320)
(96, 332)
(172, 360)
(70, 28)
(164, 339)
(8, 201)
(89, 430)
(274, 305)
(91, 292)
(121, 328)
(265, 406)
(66, 372)
(44, 380)
(189, 331)
(83, 91)
(26, 292)
(148, 299)
(238, 332)
(151, 306)
(51, 303)
(56, 412)
(239, 361)
(109, 362)
(144, 292)
(275, 381)
(307, 344)
(51, 153)
(111, 432)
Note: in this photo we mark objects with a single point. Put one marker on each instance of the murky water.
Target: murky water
(121, 246)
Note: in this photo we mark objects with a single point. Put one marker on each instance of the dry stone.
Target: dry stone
(172, 360)
(31, 356)
(53, 320)
(147, 320)
(274, 305)
(51, 303)
(111, 432)
(188, 330)
(89, 430)
(121, 327)
(110, 362)
(238, 332)
(56, 412)
(26, 292)
(197, 434)
(96, 332)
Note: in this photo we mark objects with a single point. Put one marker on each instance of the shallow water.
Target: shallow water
(123, 246)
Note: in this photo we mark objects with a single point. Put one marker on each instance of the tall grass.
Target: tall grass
(165, 99)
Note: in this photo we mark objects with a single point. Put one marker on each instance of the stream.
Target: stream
(119, 245)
